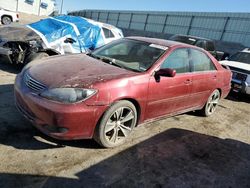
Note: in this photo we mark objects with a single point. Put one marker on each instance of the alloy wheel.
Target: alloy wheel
(119, 125)
(212, 102)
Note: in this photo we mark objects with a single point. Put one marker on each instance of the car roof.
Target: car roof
(162, 42)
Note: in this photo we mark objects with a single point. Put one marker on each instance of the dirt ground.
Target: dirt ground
(182, 151)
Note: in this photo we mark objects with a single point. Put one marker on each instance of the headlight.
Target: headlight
(68, 95)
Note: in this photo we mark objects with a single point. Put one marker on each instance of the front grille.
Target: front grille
(239, 76)
(33, 84)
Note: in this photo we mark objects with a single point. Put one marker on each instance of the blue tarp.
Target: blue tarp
(55, 29)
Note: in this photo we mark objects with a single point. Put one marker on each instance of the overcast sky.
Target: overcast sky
(159, 5)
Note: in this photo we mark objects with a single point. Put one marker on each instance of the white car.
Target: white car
(8, 16)
(239, 64)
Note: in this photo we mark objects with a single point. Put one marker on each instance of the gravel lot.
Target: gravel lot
(182, 151)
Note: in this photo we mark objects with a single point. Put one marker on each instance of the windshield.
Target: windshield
(184, 39)
(130, 54)
(243, 57)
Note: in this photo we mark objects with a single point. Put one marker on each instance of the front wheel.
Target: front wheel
(211, 104)
(116, 124)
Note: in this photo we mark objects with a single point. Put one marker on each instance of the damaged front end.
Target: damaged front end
(17, 43)
(18, 51)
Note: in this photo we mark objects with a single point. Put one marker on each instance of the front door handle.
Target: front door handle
(188, 81)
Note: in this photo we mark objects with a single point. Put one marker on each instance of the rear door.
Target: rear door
(204, 77)
(171, 94)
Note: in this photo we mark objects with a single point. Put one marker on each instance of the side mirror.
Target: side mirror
(69, 40)
(165, 73)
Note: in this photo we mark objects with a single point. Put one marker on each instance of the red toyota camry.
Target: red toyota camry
(106, 93)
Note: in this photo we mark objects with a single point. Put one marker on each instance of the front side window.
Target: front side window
(130, 54)
(200, 61)
(178, 60)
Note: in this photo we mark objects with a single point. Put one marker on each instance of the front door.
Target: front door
(170, 94)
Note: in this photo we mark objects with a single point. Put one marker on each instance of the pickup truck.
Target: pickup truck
(8, 16)
(239, 64)
(206, 44)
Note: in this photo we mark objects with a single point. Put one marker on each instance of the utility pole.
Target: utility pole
(16, 5)
(39, 9)
(61, 7)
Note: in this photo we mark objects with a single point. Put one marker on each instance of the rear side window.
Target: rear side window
(108, 33)
(178, 60)
(200, 61)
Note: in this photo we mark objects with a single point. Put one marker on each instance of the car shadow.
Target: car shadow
(174, 158)
(238, 97)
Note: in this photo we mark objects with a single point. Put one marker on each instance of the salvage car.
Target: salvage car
(54, 36)
(106, 93)
(7, 17)
(239, 64)
(206, 44)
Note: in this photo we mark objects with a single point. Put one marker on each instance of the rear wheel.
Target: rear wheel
(211, 104)
(116, 124)
(36, 56)
(6, 20)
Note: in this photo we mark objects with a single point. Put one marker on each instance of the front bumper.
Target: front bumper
(60, 121)
(240, 86)
(5, 55)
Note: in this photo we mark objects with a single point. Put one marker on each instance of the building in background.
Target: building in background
(37, 7)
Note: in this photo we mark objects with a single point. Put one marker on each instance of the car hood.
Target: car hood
(17, 33)
(236, 64)
(77, 71)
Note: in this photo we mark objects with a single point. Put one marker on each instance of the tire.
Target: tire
(36, 56)
(112, 130)
(6, 20)
(211, 104)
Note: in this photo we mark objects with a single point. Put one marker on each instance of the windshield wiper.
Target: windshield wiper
(94, 56)
(111, 62)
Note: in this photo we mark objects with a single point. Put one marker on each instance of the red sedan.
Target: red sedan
(105, 94)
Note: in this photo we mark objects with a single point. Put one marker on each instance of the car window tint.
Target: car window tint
(108, 33)
(243, 57)
(210, 46)
(201, 44)
(200, 61)
(177, 60)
